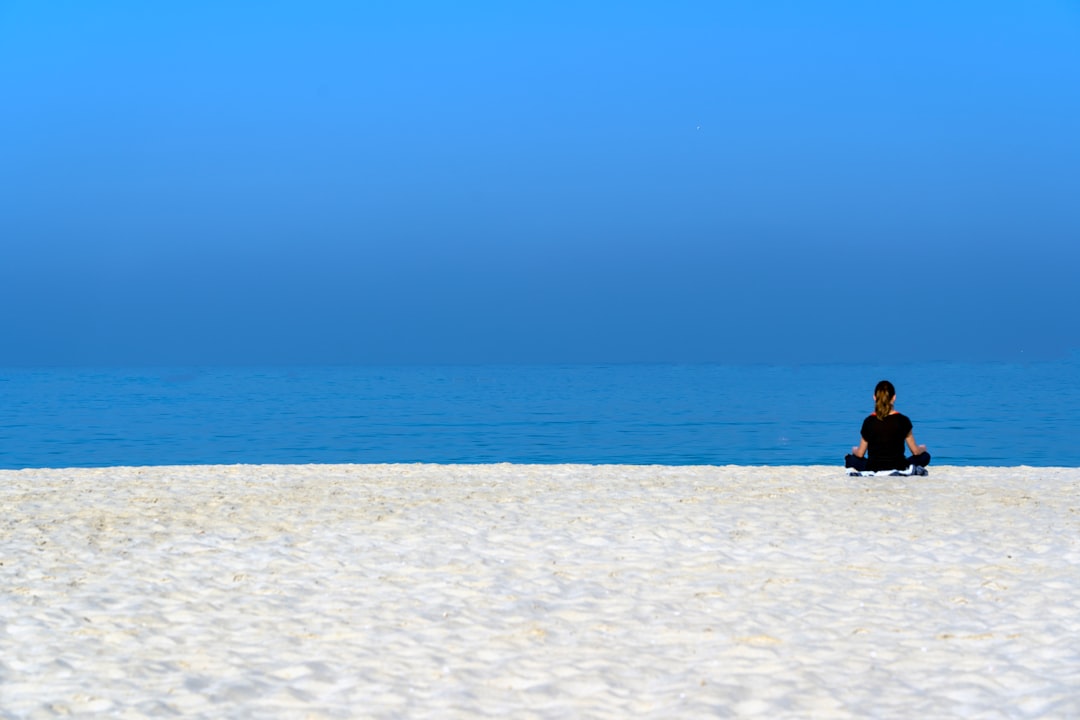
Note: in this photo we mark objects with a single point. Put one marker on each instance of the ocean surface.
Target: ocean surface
(968, 414)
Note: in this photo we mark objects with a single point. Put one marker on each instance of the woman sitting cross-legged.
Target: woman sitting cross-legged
(883, 436)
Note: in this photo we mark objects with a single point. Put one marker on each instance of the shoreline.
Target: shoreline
(496, 464)
(427, 590)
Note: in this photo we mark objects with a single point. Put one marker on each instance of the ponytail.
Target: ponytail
(884, 394)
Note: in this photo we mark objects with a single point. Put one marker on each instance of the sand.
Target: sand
(428, 591)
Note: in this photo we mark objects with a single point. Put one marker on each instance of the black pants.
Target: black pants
(862, 463)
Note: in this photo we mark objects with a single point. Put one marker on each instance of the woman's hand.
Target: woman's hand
(915, 449)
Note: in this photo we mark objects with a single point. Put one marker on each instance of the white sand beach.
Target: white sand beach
(428, 591)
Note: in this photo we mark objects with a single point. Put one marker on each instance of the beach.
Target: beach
(538, 591)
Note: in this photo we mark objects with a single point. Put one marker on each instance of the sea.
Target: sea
(995, 414)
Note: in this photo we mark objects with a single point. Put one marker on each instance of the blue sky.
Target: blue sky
(417, 182)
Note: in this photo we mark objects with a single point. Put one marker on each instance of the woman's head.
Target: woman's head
(884, 395)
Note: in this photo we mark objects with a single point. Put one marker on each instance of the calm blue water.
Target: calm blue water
(982, 414)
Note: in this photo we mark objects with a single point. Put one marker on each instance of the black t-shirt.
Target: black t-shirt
(885, 441)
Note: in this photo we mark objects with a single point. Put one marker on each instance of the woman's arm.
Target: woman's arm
(915, 449)
(860, 450)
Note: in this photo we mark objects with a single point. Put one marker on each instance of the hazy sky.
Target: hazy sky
(267, 182)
